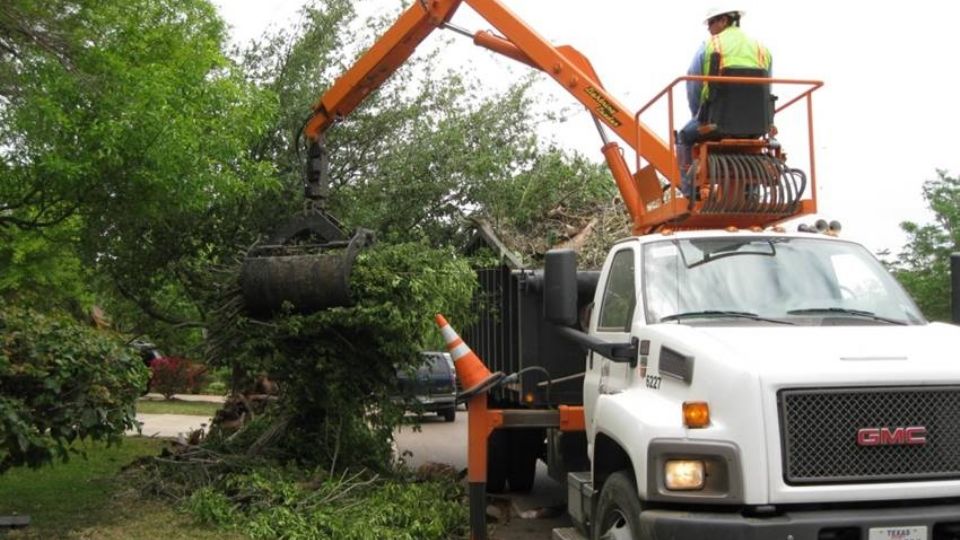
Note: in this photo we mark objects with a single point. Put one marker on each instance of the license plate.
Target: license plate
(898, 533)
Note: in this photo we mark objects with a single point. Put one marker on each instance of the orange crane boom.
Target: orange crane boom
(572, 71)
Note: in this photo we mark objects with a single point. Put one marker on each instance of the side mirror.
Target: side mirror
(955, 287)
(560, 287)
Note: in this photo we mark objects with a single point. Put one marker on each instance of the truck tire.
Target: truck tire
(497, 461)
(618, 509)
(525, 447)
(449, 415)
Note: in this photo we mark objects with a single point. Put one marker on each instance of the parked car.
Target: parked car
(432, 386)
(148, 351)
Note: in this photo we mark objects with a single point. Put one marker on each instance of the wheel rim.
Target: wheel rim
(618, 527)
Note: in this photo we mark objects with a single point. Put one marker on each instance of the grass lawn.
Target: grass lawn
(174, 406)
(86, 498)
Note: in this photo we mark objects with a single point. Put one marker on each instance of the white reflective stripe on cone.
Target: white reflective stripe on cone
(448, 333)
(459, 351)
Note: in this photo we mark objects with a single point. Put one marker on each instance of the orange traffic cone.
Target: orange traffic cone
(473, 374)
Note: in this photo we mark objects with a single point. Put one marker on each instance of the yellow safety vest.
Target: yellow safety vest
(736, 50)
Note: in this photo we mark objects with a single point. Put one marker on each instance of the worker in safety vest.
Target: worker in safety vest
(735, 49)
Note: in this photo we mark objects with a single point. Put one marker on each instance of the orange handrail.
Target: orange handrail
(672, 173)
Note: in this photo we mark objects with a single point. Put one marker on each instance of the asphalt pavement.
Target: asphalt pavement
(172, 426)
(169, 426)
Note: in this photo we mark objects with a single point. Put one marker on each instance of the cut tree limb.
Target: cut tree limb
(579, 239)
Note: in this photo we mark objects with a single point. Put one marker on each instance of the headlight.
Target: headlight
(683, 474)
(694, 470)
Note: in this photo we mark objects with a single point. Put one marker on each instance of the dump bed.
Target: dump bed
(510, 335)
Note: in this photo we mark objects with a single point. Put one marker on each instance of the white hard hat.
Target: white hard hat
(713, 12)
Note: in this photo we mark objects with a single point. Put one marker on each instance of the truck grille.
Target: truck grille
(819, 430)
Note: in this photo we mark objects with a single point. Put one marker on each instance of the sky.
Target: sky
(885, 120)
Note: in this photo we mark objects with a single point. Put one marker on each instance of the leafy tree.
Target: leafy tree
(129, 121)
(60, 382)
(923, 267)
(31, 31)
(125, 137)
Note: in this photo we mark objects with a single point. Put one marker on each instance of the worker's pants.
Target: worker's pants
(686, 137)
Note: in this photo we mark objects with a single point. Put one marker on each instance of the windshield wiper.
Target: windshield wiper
(711, 313)
(847, 311)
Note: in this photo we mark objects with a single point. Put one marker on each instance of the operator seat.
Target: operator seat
(738, 111)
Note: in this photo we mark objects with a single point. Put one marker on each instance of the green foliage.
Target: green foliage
(336, 368)
(211, 506)
(61, 382)
(553, 180)
(165, 157)
(276, 503)
(447, 152)
(126, 140)
(552, 198)
(218, 382)
(923, 267)
(44, 271)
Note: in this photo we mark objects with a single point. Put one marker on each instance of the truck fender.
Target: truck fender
(624, 425)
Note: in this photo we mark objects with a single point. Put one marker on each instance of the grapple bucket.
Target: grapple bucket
(309, 276)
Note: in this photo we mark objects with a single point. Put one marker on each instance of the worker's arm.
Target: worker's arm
(695, 88)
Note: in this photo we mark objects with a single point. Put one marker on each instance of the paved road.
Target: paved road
(173, 425)
(169, 426)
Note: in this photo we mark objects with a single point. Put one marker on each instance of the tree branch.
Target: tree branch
(151, 310)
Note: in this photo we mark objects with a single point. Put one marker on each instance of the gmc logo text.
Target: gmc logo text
(909, 436)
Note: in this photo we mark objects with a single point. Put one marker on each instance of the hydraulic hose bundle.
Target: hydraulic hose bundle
(752, 184)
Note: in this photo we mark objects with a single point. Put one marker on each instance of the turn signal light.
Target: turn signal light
(696, 414)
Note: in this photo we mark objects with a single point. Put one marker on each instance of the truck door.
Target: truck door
(611, 321)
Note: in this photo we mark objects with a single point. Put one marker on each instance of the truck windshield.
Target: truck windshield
(805, 281)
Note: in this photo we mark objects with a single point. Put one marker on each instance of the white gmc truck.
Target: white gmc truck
(760, 385)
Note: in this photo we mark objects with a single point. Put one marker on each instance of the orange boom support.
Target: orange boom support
(739, 181)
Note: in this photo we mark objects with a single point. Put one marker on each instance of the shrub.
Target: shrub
(172, 375)
(61, 381)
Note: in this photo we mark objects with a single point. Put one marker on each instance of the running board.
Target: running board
(568, 533)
